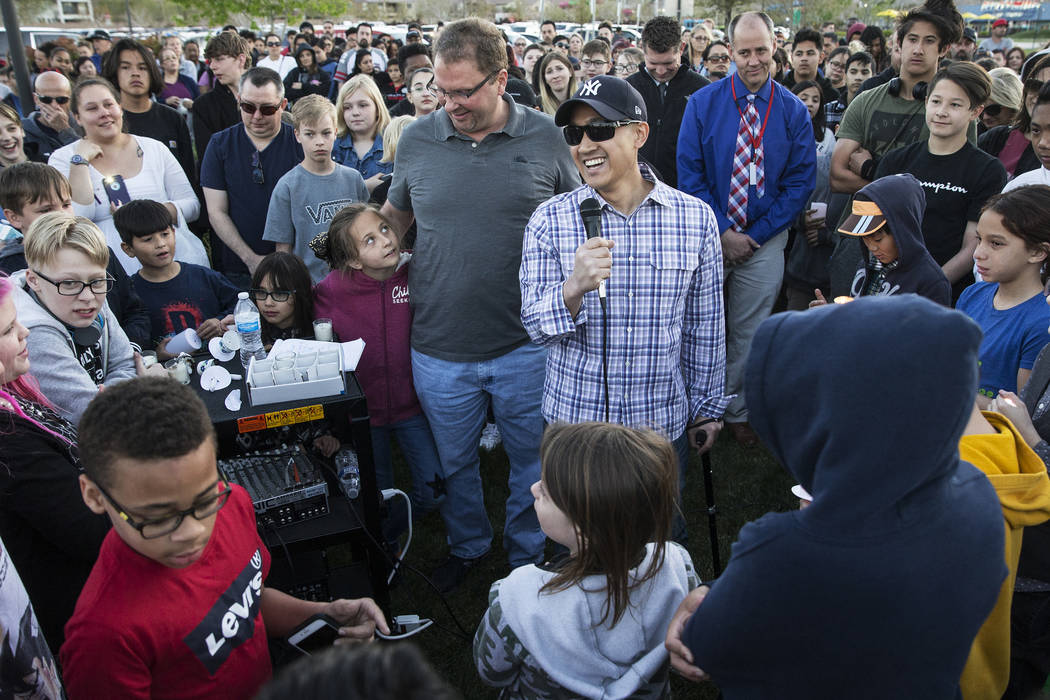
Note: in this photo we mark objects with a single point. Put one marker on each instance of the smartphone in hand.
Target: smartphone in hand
(116, 190)
(315, 635)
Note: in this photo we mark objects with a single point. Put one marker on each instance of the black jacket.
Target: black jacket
(830, 93)
(665, 118)
(992, 142)
(212, 112)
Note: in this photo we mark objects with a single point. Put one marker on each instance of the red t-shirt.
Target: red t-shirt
(144, 630)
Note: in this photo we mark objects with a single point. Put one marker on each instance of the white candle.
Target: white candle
(181, 372)
(323, 330)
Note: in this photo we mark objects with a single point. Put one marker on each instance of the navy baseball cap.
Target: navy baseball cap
(613, 98)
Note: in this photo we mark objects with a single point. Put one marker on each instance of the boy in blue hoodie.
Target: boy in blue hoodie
(878, 588)
(887, 219)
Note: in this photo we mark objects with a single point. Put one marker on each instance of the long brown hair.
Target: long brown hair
(618, 486)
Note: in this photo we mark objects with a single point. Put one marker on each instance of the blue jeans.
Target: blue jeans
(417, 444)
(456, 396)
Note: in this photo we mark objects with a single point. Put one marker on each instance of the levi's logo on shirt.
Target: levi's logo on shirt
(231, 621)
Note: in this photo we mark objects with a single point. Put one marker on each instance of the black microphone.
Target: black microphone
(591, 212)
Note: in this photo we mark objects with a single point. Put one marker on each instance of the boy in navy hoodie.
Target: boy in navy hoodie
(878, 588)
(887, 218)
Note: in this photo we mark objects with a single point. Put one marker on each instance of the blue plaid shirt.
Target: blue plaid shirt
(666, 322)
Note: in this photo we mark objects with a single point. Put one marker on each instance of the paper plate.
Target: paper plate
(215, 378)
(215, 347)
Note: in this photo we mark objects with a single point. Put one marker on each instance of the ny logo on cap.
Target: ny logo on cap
(590, 88)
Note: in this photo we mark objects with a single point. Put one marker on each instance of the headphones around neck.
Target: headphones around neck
(918, 91)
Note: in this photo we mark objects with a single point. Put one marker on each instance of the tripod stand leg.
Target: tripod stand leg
(712, 511)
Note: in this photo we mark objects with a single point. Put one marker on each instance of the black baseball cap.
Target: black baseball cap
(99, 34)
(971, 34)
(521, 92)
(613, 98)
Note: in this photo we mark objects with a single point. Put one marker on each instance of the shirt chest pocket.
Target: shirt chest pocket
(672, 273)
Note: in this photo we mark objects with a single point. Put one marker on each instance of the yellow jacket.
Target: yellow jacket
(1020, 479)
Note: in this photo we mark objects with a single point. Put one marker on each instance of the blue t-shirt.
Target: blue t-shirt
(228, 165)
(1012, 337)
(186, 300)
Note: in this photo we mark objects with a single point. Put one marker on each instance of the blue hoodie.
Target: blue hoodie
(903, 203)
(879, 587)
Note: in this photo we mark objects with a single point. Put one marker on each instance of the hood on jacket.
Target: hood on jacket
(873, 432)
(903, 203)
(1015, 470)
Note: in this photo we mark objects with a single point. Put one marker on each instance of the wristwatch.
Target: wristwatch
(78, 159)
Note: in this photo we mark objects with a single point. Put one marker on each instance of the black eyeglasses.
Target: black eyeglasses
(267, 110)
(273, 43)
(993, 110)
(73, 288)
(260, 295)
(596, 131)
(461, 95)
(47, 99)
(258, 176)
(588, 63)
(1033, 85)
(152, 529)
(721, 58)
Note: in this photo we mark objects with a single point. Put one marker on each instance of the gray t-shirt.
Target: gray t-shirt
(303, 204)
(472, 202)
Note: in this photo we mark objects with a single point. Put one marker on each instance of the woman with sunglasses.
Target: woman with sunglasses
(1010, 144)
(109, 166)
(51, 536)
(698, 41)
(555, 81)
(1005, 100)
(180, 90)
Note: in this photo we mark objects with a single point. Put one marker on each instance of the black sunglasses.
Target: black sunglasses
(993, 110)
(47, 99)
(273, 43)
(267, 110)
(258, 176)
(562, 45)
(596, 131)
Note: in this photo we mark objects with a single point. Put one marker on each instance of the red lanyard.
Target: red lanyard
(750, 135)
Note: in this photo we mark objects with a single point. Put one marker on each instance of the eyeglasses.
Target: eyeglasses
(74, 288)
(720, 58)
(273, 43)
(588, 63)
(279, 295)
(1033, 85)
(627, 68)
(47, 99)
(460, 95)
(562, 45)
(837, 64)
(596, 131)
(258, 176)
(993, 110)
(267, 110)
(152, 529)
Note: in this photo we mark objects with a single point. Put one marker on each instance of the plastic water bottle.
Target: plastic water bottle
(349, 473)
(246, 316)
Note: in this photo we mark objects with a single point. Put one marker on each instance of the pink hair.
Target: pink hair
(26, 385)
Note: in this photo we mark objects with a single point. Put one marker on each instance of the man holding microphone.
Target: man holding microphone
(652, 352)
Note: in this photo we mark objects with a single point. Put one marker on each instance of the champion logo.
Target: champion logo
(590, 88)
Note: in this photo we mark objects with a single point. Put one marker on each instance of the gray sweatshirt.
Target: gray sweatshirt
(53, 357)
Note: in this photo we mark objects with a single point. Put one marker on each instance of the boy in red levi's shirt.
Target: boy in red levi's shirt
(176, 605)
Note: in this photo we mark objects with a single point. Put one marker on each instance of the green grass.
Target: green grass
(748, 483)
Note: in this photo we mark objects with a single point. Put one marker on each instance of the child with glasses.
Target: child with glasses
(281, 289)
(75, 342)
(176, 604)
(597, 57)
(178, 295)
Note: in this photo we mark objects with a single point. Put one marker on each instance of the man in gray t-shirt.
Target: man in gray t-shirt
(303, 204)
(472, 174)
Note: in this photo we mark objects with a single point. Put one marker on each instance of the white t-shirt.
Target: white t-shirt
(282, 65)
(1039, 176)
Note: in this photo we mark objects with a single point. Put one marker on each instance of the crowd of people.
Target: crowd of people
(577, 246)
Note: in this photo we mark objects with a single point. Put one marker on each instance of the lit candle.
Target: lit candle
(323, 330)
